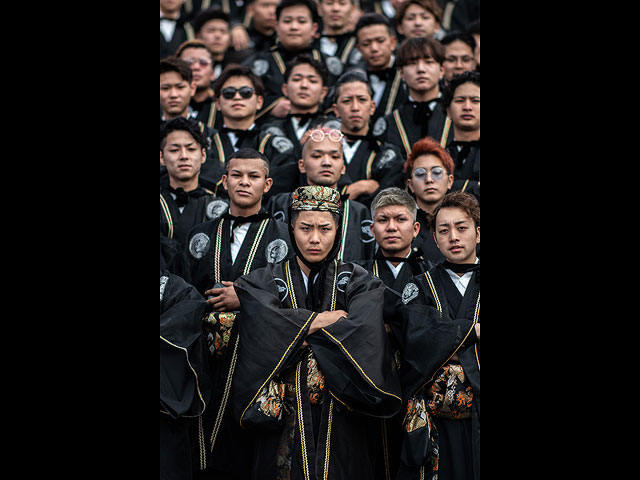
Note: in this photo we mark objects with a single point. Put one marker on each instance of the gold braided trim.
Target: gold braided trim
(347, 50)
(254, 247)
(370, 163)
(225, 396)
(393, 93)
(305, 459)
(203, 450)
(403, 133)
(216, 254)
(328, 443)
(279, 61)
(277, 365)
(212, 115)
(358, 366)
(194, 372)
(218, 142)
(191, 34)
(375, 269)
(445, 132)
(292, 292)
(464, 187)
(263, 143)
(167, 214)
(427, 275)
(345, 222)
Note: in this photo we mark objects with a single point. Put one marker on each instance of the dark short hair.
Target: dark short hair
(195, 43)
(457, 199)
(305, 59)
(246, 154)
(174, 64)
(370, 19)
(213, 13)
(237, 70)
(449, 89)
(310, 4)
(422, 47)
(181, 123)
(350, 76)
(462, 36)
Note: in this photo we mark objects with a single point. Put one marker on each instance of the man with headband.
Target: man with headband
(323, 164)
(314, 374)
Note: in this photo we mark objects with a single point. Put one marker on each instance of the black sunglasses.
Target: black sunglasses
(230, 92)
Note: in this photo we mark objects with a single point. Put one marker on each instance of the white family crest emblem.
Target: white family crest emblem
(409, 293)
(342, 281)
(365, 231)
(216, 208)
(163, 283)
(199, 245)
(283, 290)
(276, 251)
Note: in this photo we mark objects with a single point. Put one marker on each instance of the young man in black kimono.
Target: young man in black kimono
(372, 165)
(305, 88)
(314, 371)
(376, 41)
(239, 94)
(461, 99)
(394, 227)
(420, 65)
(322, 163)
(185, 386)
(216, 253)
(440, 313)
(183, 202)
(297, 24)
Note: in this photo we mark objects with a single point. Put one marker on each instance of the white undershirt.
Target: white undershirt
(461, 282)
(167, 28)
(238, 237)
(305, 279)
(396, 270)
(349, 150)
(295, 123)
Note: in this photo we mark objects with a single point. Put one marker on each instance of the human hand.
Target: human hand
(224, 299)
(362, 187)
(239, 38)
(325, 319)
(282, 109)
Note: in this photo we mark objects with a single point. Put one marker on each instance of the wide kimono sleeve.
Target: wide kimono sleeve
(185, 386)
(354, 353)
(429, 338)
(269, 337)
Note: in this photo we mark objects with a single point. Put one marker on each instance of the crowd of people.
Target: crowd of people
(320, 239)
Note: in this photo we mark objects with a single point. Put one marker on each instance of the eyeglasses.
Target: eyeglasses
(230, 92)
(318, 135)
(437, 174)
(202, 61)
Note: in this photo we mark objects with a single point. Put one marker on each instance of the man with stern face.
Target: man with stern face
(314, 372)
(217, 252)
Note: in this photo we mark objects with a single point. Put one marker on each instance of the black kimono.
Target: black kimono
(414, 265)
(341, 46)
(313, 411)
(374, 160)
(424, 240)
(441, 394)
(207, 261)
(278, 149)
(466, 158)
(202, 205)
(183, 31)
(357, 240)
(185, 387)
(394, 91)
(272, 65)
(410, 122)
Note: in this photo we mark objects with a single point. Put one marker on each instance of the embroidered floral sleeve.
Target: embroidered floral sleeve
(217, 328)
